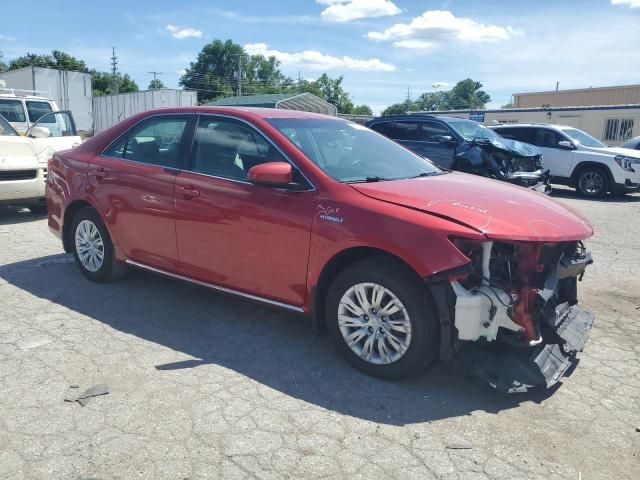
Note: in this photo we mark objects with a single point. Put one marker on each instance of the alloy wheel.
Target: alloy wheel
(374, 323)
(591, 182)
(89, 245)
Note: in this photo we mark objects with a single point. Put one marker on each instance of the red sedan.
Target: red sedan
(402, 262)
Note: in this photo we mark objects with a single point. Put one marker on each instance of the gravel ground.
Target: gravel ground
(203, 385)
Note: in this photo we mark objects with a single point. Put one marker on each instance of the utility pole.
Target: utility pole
(155, 76)
(239, 75)
(114, 70)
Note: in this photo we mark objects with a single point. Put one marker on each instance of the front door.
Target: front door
(245, 237)
(555, 158)
(133, 184)
(54, 131)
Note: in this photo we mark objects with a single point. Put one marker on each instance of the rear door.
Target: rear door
(133, 185)
(232, 233)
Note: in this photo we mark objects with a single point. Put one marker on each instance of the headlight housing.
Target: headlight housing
(627, 163)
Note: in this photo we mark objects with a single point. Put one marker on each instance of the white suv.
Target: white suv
(22, 111)
(577, 159)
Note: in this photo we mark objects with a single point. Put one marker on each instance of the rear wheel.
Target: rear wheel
(381, 319)
(92, 247)
(592, 182)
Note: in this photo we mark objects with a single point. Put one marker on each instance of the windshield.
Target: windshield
(470, 130)
(349, 152)
(6, 128)
(583, 138)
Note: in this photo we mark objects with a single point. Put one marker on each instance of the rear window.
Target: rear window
(521, 134)
(37, 109)
(12, 110)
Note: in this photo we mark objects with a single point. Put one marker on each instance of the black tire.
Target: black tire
(592, 182)
(422, 348)
(109, 268)
(38, 208)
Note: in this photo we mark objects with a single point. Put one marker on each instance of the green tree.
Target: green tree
(361, 110)
(3, 66)
(331, 90)
(432, 101)
(507, 105)
(57, 59)
(103, 83)
(156, 85)
(467, 94)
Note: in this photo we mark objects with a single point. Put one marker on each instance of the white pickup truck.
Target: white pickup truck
(23, 159)
(577, 159)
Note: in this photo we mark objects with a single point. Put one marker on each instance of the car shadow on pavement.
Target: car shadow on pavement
(275, 348)
(14, 215)
(610, 198)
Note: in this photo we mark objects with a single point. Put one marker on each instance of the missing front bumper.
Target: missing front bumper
(511, 369)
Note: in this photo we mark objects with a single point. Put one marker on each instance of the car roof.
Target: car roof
(512, 125)
(259, 112)
(414, 116)
(25, 97)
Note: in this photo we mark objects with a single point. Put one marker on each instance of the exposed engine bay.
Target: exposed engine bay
(517, 320)
(506, 160)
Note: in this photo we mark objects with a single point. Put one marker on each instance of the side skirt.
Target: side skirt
(218, 288)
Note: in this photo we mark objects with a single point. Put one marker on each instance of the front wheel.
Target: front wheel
(92, 247)
(592, 182)
(381, 319)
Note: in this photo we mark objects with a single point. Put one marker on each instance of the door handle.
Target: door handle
(98, 173)
(189, 192)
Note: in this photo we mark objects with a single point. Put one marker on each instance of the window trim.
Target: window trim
(183, 141)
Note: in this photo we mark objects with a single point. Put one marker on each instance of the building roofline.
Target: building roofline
(573, 90)
(533, 109)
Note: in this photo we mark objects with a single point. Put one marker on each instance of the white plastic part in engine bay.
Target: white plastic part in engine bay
(473, 312)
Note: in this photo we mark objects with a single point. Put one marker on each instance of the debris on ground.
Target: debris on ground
(88, 394)
(459, 446)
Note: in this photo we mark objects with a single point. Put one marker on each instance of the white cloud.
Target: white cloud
(315, 60)
(628, 3)
(182, 33)
(6, 38)
(346, 10)
(434, 26)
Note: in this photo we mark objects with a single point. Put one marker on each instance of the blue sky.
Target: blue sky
(382, 47)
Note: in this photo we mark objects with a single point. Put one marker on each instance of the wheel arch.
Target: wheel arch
(586, 164)
(70, 212)
(337, 264)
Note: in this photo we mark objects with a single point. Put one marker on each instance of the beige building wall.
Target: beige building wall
(624, 95)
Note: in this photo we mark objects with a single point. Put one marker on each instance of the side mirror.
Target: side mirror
(275, 174)
(40, 132)
(445, 139)
(566, 144)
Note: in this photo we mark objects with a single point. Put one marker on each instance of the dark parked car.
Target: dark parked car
(633, 144)
(467, 146)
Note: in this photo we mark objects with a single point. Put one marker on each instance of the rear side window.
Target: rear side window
(433, 131)
(385, 128)
(12, 110)
(155, 141)
(406, 131)
(37, 109)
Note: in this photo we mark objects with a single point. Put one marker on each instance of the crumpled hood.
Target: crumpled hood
(627, 152)
(16, 147)
(496, 209)
(518, 148)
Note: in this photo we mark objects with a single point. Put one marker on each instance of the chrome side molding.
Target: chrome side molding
(216, 287)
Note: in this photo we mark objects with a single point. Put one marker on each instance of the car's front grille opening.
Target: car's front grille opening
(8, 175)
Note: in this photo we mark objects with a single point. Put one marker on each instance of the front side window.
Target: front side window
(6, 129)
(546, 138)
(37, 109)
(520, 134)
(155, 141)
(349, 152)
(472, 131)
(228, 149)
(433, 131)
(406, 131)
(12, 110)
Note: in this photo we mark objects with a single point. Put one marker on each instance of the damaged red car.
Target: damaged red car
(401, 262)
